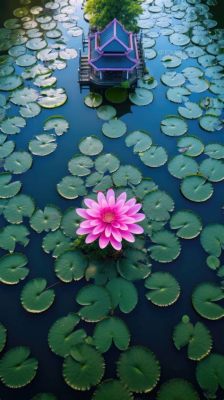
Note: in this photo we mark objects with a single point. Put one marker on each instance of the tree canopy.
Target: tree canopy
(101, 12)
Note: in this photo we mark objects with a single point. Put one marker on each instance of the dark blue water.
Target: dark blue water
(148, 324)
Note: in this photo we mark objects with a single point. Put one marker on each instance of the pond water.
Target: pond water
(149, 325)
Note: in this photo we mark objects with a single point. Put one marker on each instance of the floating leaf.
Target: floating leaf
(26, 60)
(197, 338)
(71, 266)
(127, 174)
(215, 150)
(212, 169)
(123, 294)
(213, 262)
(13, 125)
(13, 234)
(106, 112)
(95, 301)
(179, 39)
(157, 205)
(13, 376)
(9, 83)
(42, 145)
(141, 97)
(134, 265)
(190, 146)
(209, 374)
(12, 268)
(3, 335)
(205, 298)
(83, 368)
(177, 388)
(166, 248)
(8, 189)
(164, 289)
(190, 110)
(58, 124)
(115, 95)
(173, 126)
(6, 148)
(71, 187)
(52, 98)
(30, 110)
(110, 330)
(56, 242)
(112, 390)
(138, 369)
(36, 297)
(47, 220)
(114, 128)
(19, 207)
(93, 100)
(187, 223)
(107, 163)
(80, 165)
(155, 157)
(178, 94)
(212, 239)
(63, 337)
(141, 141)
(70, 223)
(23, 96)
(18, 162)
(196, 188)
(181, 166)
(210, 123)
(172, 79)
(90, 146)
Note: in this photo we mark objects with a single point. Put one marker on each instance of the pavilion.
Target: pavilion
(113, 55)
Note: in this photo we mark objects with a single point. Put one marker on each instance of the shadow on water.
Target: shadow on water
(148, 325)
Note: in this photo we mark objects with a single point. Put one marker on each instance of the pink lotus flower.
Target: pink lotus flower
(110, 220)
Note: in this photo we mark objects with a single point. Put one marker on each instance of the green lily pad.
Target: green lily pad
(138, 369)
(111, 330)
(196, 188)
(58, 124)
(181, 166)
(100, 271)
(146, 186)
(106, 112)
(114, 128)
(213, 262)
(18, 162)
(115, 95)
(71, 266)
(127, 174)
(177, 388)
(11, 82)
(12, 268)
(62, 336)
(197, 338)
(6, 148)
(210, 123)
(36, 44)
(209, 374)
(187, 224)
(56, 242)
(171, 61)
(178, 94)
(71, 187)
(84, 368)
(3, 336)
(51, 98)
(157, 205)
(13, 234)
(172, 79)
(26, 60)
(13, 125)
(197, 85)
(215, 150)
(93, 100)
(205, 298)
(46, 220)
(112, 390)
(141, 97)
(173, 126)
(154, 157)
(123, 294)
(90, 146)
(70, 223)
(190, 146)
(13, 376)
(166, 248)
(96, 303)
(212, 169)
(107, 163)
(164, 289)
(19, 207)
(93, 179)
(30, 110)
(105, 184)
(212, 239)
(135, 265)
(43, 145)
(80, 165)
(8, 189)
(190, 110)
(45, 81)
(35, 297)
(140, 140)
(179, 39)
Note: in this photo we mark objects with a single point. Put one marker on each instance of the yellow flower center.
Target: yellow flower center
(108, 216)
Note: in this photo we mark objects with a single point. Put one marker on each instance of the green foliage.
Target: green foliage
(101, 12)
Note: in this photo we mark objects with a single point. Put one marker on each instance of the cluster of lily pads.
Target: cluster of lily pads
(36, 44)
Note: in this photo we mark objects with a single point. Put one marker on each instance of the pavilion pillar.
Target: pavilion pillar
(101, 75)
(127, 75)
